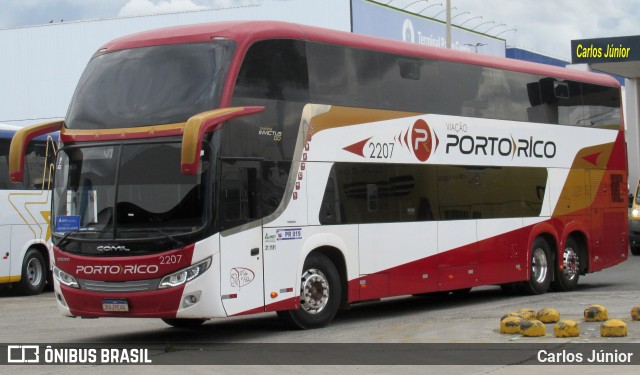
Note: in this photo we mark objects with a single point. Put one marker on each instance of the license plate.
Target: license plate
(116, 305)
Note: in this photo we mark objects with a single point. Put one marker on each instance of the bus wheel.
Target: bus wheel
(184, 323)
(635, 250)
(34, 273)
(540, 277)
(319, 295)
(568, 268)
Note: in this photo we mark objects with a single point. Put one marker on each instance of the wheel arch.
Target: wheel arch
(549, 234)
(338, 260)
(41, 248)
(581, 237)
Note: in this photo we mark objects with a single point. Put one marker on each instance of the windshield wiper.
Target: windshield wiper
(64, 240)
(155, 230)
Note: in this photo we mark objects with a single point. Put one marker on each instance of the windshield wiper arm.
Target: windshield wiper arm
(64, 240)
(159, 231)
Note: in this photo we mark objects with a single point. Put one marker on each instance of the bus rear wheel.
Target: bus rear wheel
(34, 273)
(540, 275)
(320, 294)
(568, 267)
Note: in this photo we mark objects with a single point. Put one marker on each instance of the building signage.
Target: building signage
(372, 18)
(601, 50)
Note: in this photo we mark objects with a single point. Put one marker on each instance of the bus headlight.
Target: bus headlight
(64, 278)
(635, 213)
(185, 275)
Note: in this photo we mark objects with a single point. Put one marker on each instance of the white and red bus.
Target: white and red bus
(223, 169)
(25, 208)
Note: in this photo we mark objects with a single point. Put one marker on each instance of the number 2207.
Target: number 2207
(170, 259)
(381, 150)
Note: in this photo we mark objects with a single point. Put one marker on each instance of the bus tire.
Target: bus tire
(320, 294)
(540, 266)
(635, 250)
(183, 323)
(34, 273)
(567, 267)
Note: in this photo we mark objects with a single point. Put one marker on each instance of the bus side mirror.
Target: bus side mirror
(200, 124)
(19, 146)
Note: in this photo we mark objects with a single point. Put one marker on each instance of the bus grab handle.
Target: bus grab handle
(203, 123)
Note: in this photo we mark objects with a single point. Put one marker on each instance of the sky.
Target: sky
(545, 26)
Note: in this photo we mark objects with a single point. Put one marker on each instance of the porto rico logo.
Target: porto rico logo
(421, 140)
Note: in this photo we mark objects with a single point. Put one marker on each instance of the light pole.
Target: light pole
(460, 14)
(448, 24)
(502, 32)
(483, 23)
(475, 46)
(420, 12)
(442, 11)
(415, 2)
(493, 27)
(472, 18)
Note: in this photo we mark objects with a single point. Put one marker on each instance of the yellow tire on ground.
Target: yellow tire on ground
(613, 328)
(533, 328)
(566, 328)
(635, 313)
(511, 325)
(527, 314)
(595, 313)
(548, 315)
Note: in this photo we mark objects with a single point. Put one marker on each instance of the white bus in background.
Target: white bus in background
(25, 208)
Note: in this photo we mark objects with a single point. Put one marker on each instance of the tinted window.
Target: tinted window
(39, 156)
(344, 76)
(351, 77)
(517, 96)
(37, 159)
(276, 70)
(5, 182)
(409, 84)
(467, 90)
(273, 75)
(149, 86)
(601, 106)
(376, 193)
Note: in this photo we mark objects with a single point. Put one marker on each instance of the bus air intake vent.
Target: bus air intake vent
(124, 286)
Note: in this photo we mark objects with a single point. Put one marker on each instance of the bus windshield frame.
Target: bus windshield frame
(100, 194)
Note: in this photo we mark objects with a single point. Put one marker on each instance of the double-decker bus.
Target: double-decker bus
(233, 168)
(25, 208)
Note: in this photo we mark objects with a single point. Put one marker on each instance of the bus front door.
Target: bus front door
(242, 283)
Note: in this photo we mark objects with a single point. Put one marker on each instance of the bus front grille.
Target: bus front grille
(122, 286)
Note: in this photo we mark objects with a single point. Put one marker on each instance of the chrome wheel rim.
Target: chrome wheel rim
(314, 293)
(539, 265)
(34, 272)
(570, 263)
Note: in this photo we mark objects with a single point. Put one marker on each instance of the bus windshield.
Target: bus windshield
(149, 85)
(131, 191)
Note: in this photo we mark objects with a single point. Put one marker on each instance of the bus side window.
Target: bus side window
(36, 176)
(4, 164)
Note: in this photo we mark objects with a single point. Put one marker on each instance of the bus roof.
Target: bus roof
(246, 32)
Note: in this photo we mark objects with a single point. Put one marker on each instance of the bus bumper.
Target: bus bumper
(197, 299)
